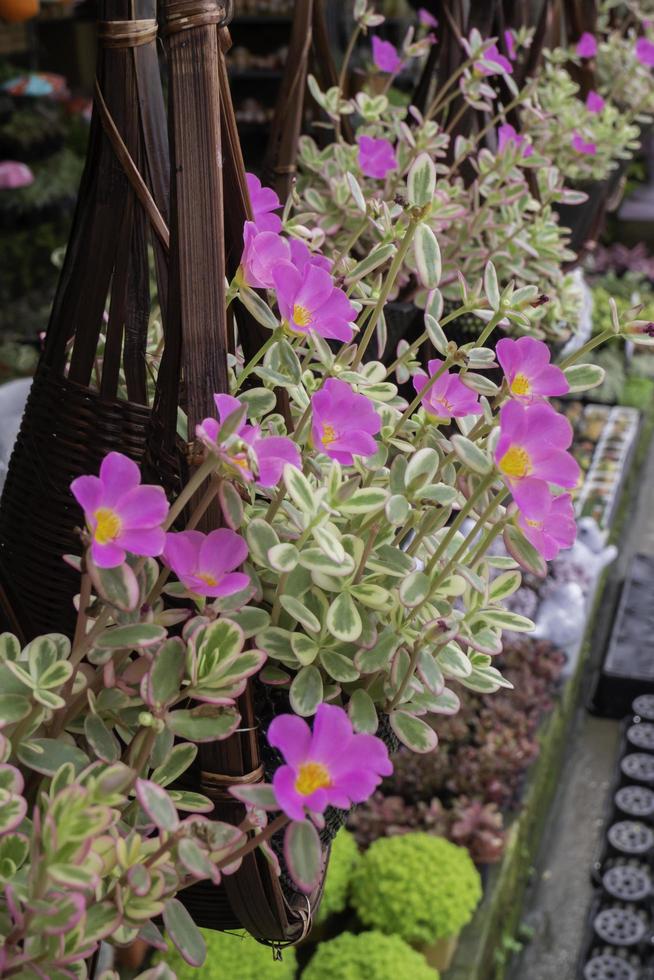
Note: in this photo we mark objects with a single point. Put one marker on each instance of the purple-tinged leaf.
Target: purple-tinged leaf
(413, 732)
(262, 796)
(303, 854)
(46, 755)
(523, 551)
(157, 804)
(196, 861)
(103, 742)
(139, 880)
(191, 802)
(231, 505)
(274, 676)
(11, 780)
(160, 972)
(12, 813)
(153, 937)
(177, 762)
(102, 919)
(161, 686)
(184, 933)
(58, 913)
(206, 723)
(137, 636)
(118, 587)
(13, 708)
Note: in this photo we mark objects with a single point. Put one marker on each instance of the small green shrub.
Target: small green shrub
(368, 956)
(419, 887)
(234, 956)
(343, 862)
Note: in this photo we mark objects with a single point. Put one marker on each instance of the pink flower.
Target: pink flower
(426, 18)
(330, 766)
(586, 46)
(262, 251)
(271, 453)
(448, 397)
(531, 451)
(385, 56)
(527, 368)
(205, 563)
(264, 201)
(309, 300)
(302, 256)
(594, 102)
(579, 144)
(14, 175)
(344, 423)
(494, 63)
(509, 41)
(508, 134)
(645, 52)
(376, 156)
(550, 524)
(120, 514)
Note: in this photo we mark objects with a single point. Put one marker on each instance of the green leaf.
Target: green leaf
(259, 401)
(365, 501)
(102, 741)
(180, 758)
(380, 655)
(14, 849)
(250, 620)
(397, 510)
(421, 469)
(343, 619)
(506, 620)
(436, 334)
(191, 802)
(362, 712)
(258, 308)
(9, 647)
(581, 377)
(196, 861)
(260, 537)
(154, 799)
(304, 648)
(378, 256)
(231, 505)
(414, 589)
(306, 691)
(523, 551)
(317, 561)
(13, 707)
(118, 587)
(166, 673)
(299, 489)
(46, 755)
(445, 703)
(283, 557)
(329, 544)
(102, 920)
(303, 854)
(413, 732)
(429, 672)
(261, 796)
(453, 661)
(357, 193)
(504, 585)
(421, 181)
(428, 256)
(217, 645)
(471, 455)
(206, 723)
(184, 933)
(339, 667)
(138, 636)
(371, 595)
(491, 287)
(299, 611)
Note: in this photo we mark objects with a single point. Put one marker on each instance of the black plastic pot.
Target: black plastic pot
(636, 802)
(582, 219)
(638, 767)
(641, 736)
(622, 926)
(643, 707)
(627, 881)
(608, 966)
(630, 838)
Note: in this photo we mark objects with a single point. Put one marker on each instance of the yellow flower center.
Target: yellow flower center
(520, 385)
(537, 524)
(239, 461)
(108, 525)
(516, 462)
(329, 435)
(302, 316)
(208, 579)
(312, 776)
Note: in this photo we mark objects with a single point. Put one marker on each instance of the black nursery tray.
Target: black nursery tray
(628, 669)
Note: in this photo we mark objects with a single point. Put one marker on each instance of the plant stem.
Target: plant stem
(590, 345)
(260, 354)
(469, 505)
(342, 78)
(494, 503)
(389, 282)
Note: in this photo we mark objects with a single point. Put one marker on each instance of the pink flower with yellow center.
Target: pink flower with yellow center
(493, 63)
(302, 256)
(262, 252)
(587, 45)
(385, 56)
(376, 157)
(645, 51)
(308, 300)
(594, 102)
(264, 202)
(580, 145)
(121, 515)
(527, 368)
(549, 523)
(270, 454)
(344, 424)
(205, 563)
(330, 766)
(531, 451)
(448, 397)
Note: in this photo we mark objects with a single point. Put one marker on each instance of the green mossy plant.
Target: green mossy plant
(367, 956)
(343, 862)
(419, 887)
(231, 956)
